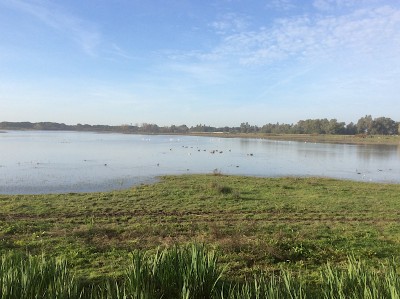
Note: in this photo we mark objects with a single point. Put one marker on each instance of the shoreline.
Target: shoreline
(360, 139)
(315, 138)
(159, 179)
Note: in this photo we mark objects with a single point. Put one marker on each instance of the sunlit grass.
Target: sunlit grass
(256, 224)
(192, 272)
(27, 277)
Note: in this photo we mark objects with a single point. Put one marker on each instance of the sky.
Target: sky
(214, 62)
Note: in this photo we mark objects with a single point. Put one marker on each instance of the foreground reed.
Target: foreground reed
(360, 281)
(190, 272)
(36, 277)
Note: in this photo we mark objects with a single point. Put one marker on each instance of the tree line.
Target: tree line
(365, 125)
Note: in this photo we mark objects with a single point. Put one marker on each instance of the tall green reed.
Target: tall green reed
(282, 286)
(358, 280)
(26, 276)
(191, 272)
(178, 272)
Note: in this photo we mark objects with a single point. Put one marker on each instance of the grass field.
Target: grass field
(256, 224)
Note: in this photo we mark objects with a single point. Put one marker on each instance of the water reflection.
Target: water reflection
(35, 162)
(382, 151)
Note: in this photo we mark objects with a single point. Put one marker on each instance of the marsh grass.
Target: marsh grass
(179, 272)
(192, 271)
(256, 224)
(221, 189)
(358, 280)
(36, 277)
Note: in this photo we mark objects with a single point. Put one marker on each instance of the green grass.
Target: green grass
(26, 277)
(191, 272)
(256, 224)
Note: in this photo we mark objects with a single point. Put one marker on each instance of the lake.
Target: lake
(57, 162)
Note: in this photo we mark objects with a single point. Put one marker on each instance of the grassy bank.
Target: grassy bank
(257, 224)
(319, 138)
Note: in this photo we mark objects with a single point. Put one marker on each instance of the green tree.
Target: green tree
(351, 129)
(383, 126)
(364, 124)
(246, 128)
(335, 127)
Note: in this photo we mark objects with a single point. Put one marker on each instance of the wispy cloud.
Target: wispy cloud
(84, 33)
(230, 23)
(117, 51)
(359, 33)
(200, 72)
(347, 52)
(326, 5)
(281, 4)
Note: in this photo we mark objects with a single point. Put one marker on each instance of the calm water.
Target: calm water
(48, 162)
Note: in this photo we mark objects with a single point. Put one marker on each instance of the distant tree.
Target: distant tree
(197, 128)
(267, 128)
(383, 126)
(245, 128)
(182, 129)
(351, 129)
(335, 127)
(126, 128)
(202, 128)
(364, 124)
(276, 128)
(16, 125)
(312, 126)
(171, 129)
(149, 128)
(380, 125)
(85, 127)
(226, 129)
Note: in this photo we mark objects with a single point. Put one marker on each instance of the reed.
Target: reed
(282, 286)
(192, 272)
(358, 280)
(30, 277)
(179, 272)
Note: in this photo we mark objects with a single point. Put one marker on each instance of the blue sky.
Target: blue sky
(190, 62)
